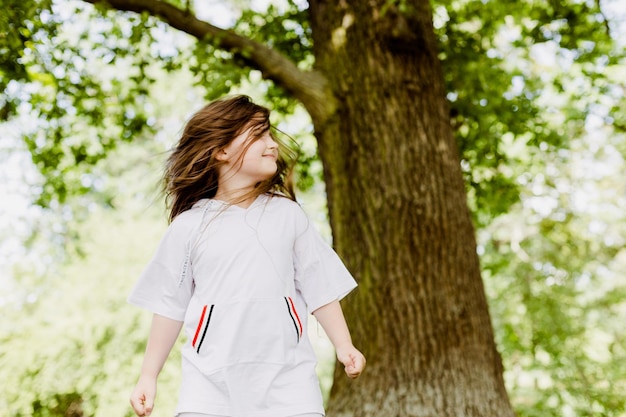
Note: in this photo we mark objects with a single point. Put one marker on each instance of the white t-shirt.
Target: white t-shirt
(243, 281)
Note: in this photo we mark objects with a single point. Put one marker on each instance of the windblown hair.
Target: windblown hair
(191, 171)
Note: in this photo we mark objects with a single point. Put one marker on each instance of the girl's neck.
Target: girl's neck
(242, 197)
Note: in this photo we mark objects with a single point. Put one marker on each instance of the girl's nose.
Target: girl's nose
(271, 143)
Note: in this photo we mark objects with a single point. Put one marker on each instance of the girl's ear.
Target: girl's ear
(221, 155)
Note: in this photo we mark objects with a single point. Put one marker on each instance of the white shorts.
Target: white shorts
(213, 415)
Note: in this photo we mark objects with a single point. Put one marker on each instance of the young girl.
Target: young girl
(239, 268)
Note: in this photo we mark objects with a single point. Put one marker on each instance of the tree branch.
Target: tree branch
(309, 87)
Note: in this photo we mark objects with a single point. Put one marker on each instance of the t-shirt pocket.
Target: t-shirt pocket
(253, 330)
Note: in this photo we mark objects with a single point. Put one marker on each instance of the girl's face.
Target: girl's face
(249, 160)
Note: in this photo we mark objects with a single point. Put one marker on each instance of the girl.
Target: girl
(238, 268)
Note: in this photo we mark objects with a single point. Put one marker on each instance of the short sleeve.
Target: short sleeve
(166, 285)
(320, 275)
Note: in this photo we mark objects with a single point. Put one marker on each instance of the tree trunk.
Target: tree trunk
(400, 220)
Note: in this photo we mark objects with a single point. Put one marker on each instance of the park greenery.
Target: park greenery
(537, 115)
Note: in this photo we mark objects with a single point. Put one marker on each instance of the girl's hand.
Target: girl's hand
(163, 334)
(142, 398)
(353, 361)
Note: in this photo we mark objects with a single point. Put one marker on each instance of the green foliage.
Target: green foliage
(217, 71)
(489, 51)
(86, 74)
(72, 346)
(86, 77)
(61, 405)
(285, 29)
(17, 22)
(553, 272)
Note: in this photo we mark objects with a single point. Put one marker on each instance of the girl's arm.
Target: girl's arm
(334, 324)
(163, 335)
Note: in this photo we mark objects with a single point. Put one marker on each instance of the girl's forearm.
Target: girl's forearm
(332, 320)
(163, 335)
(334, 324)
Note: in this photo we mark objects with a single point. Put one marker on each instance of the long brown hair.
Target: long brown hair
(191, 171)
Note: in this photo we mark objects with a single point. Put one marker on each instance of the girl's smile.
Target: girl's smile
(248, 160)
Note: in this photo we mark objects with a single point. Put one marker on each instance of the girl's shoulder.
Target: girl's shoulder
(280, 199)
(190, 218)
(289, 212)
(284, 203)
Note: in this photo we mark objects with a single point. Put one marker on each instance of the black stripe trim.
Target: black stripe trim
(206, 326)
(293, 319)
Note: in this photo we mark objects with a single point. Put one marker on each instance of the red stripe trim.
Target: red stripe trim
(195, 338)
(293, 308)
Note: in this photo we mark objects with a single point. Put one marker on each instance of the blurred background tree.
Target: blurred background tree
(535, 92)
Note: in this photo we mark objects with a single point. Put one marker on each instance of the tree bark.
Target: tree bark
(400, 220)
